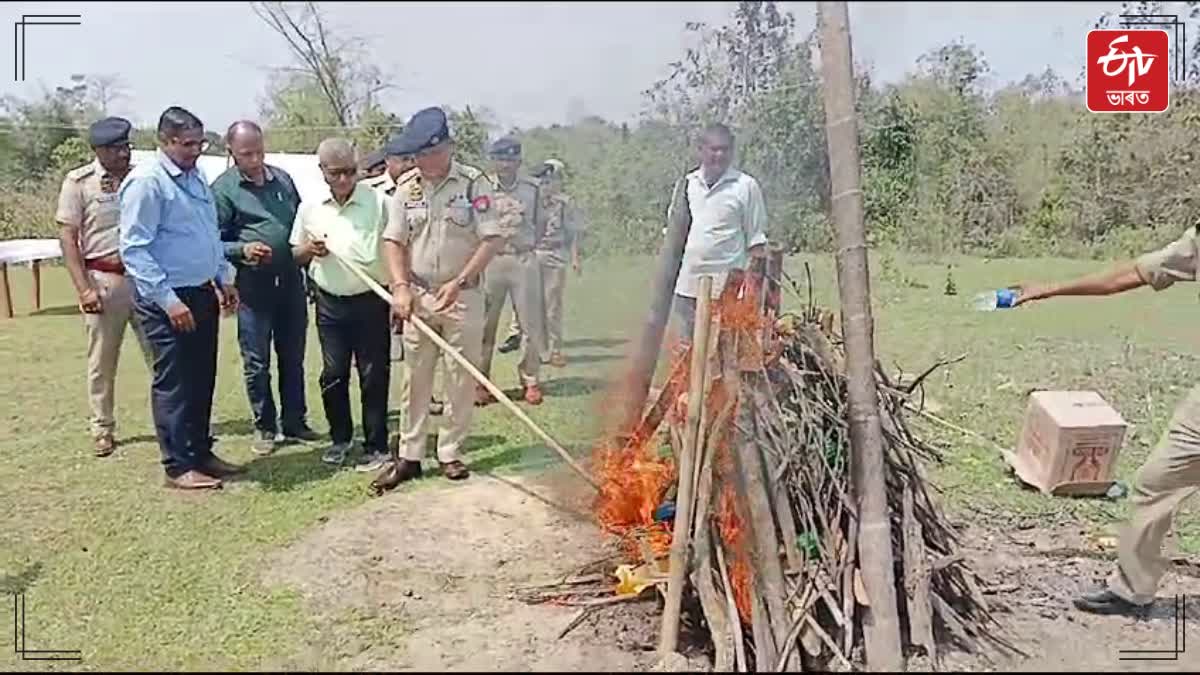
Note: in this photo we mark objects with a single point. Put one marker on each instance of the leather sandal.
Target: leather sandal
(455, 470)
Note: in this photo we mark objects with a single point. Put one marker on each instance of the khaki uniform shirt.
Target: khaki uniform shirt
(443, 224)
(1176, 261)
(383, 182)
(561, 223)
(528, 192)
(88, 200)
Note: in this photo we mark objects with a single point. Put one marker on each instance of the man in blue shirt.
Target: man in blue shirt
(172, 250)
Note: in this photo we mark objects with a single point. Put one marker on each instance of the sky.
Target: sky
(528, 62)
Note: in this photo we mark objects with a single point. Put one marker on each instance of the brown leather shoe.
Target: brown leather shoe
(483, 396)
(105, 445)
(215, 466)
(394, 474)
(533, 395)
(193, 480)
(455, 470)
(558, 360)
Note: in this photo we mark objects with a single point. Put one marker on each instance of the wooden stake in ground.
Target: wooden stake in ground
(669, 638)
(881, 625)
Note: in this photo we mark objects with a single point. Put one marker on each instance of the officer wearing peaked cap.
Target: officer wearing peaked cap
(89, 215)
(445, 224)
(514, 274)
(396, 165)
(373, 165)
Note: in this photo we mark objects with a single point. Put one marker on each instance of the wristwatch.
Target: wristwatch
(462, 283)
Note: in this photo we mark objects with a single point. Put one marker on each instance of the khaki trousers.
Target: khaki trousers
(1170, 475)
(554, 281)
(105, 334)
(515, 277)
(552, 266)
(461, 326)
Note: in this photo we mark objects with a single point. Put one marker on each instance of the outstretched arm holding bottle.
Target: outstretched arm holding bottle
(1171, 473)
(1159, 269)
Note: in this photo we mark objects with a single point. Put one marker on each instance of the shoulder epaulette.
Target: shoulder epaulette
(79, 173)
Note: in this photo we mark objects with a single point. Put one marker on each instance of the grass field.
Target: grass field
(140, 577)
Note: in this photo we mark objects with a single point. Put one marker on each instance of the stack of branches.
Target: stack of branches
(774, 539)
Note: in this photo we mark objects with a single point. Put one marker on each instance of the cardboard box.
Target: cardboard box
(1069, 443)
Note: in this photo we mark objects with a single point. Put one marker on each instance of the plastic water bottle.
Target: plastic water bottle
(993, 300)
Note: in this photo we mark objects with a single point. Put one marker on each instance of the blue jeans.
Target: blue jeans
(274, 310)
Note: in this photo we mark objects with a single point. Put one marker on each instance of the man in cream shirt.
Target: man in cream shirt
(729, 222)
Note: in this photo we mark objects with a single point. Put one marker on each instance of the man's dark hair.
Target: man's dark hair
(239, 126)
(716, 130)
(176, 120)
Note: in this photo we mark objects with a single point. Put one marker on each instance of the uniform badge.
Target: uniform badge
(415, 194)
(482, 203)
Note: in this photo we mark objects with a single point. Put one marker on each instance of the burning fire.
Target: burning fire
(634, 480)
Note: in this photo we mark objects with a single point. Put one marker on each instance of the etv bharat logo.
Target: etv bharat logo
(1128, 70)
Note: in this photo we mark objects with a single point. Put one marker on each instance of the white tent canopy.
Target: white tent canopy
(302, 168)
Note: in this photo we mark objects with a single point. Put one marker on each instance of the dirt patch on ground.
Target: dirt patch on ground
(423, 580)
(428, 577)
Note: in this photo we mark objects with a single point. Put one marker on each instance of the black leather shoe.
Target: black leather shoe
(301, 433)
(1105, 601)
(511, 344)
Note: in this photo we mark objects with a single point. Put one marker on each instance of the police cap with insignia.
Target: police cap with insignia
(109, 131)
(506, 148)
(550, 167)
(427, 128)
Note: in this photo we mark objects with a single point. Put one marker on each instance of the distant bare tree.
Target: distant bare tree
(345, 77)
(105, 89)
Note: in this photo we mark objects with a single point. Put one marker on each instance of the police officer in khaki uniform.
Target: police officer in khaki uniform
(445, 225)
(514, 275)
(1171, 473)
(560, 229)
(89, 214)
(372, 165)
(395, 170)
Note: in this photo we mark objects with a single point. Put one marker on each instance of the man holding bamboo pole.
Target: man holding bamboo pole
(443, 229)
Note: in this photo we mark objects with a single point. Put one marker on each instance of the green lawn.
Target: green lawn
(137, 576)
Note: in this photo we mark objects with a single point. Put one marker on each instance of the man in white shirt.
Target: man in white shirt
(729, 222)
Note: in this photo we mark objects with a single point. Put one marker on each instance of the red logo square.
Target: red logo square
(1128, 70)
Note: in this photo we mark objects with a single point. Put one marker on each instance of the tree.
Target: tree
(106, 89)
(338, 69)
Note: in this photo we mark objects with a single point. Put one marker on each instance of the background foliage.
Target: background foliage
(952, 162)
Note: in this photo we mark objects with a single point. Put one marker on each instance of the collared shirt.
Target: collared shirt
(352, 229)
(383, 182)
(528, 192)
(1174, 262)
(88, 200)
(443, 224)
(728, 219)
(169, 235)
(247, 212)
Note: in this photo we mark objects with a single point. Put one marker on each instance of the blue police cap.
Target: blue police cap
(426, 129)
(374, 159)
(109, 131)
(506, 148)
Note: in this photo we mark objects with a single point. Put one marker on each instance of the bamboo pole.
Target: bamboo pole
(881, 624)
(669, 637)
(470, 368)
(666, 270)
